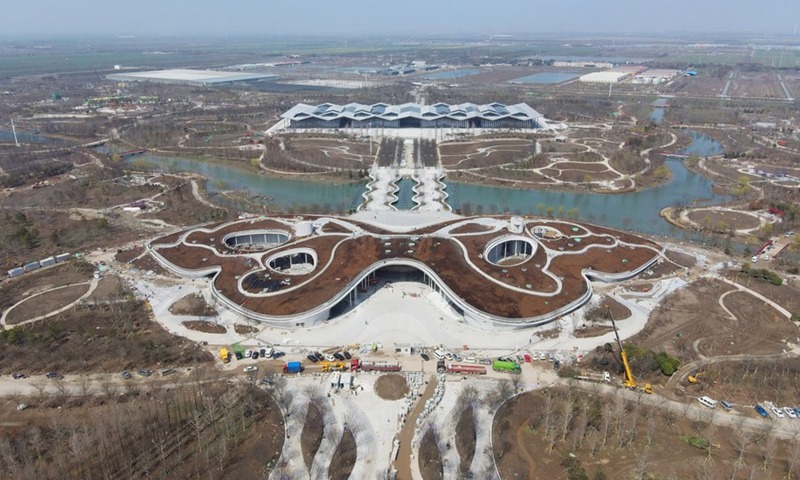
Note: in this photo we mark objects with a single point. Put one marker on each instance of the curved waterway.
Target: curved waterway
(637, 211)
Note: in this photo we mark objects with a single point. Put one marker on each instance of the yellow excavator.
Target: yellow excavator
(629, 381)
(696, 377)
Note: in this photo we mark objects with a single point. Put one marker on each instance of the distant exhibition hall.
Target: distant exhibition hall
(412, 115)
(496, 273)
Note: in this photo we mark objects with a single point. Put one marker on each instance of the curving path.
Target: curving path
(92, 286)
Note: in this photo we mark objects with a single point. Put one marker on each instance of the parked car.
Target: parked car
(238, 355)
(255, 355)
(277, 354)
(484, 361)
(250, 368)
(754, 259)
(338, 356)
(556, 365)
(424, 356)
(17, 376)
(126, 375)
(248, 353)
(53, 375)
(550, 357)
(263, 352)
(145, 372)
(542, 356)
(762, 411)
(266, 381)
(777, 412)
(312, 358)
(790, 412)
(347, 355)
(527, 358)
(470, 360)
(319, 356)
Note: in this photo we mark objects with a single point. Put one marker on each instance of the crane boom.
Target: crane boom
(628, 375)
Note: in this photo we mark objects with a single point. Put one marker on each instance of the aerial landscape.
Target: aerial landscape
(414, 242)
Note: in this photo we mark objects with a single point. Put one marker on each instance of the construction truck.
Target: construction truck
(604, 377)
(442, 367)
(375, 366)
(224, 355)
(333, 366)
(506, 366)
(629, 381)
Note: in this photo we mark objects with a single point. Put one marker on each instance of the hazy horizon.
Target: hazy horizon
(411, 17)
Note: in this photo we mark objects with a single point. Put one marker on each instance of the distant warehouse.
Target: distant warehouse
(191, 77)
(604, 77)
(413, 115)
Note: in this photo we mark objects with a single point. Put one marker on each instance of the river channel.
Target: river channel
(638, 211)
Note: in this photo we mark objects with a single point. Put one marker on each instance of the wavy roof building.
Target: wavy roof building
(413, 115)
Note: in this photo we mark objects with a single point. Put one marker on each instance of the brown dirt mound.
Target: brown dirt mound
(193, 304)
(391, 387)
(344, 458)
(430, 458)
(731, 220)
(682, 259)
(466, 437)
(593, 331)
(108, 288)
(313, 428)
(45, 303)
(244, 329)
(204, 326)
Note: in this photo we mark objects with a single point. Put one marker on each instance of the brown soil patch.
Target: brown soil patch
(592, 331)
(431, 465)
(610, 434)
(466, 438)
(787, 296)
(193, 304)
(244, 329)
(182, 208)
(759, 329)
(119, 336)
(471, 228)
(15, 289)
(150, 264)
(204, 326)
(259, 453)
(125, 256)
(391, 387)
(344, 457)
(662, 268)
(600, 311)
(682, 259)
(732, 220)
(45, 303)
(311, 438)
(693, 314)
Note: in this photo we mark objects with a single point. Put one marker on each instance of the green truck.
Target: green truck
(504, 366)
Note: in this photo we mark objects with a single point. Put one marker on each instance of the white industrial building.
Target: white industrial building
(655, 76)
(604, 77)
(190, 77)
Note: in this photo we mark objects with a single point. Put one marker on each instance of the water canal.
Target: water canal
(637, 211)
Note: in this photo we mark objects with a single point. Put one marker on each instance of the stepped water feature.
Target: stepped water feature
(406, 176)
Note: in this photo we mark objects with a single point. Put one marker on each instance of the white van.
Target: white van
(708, 402)
(439, 354)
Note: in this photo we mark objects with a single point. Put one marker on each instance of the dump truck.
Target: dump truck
(379, 366)
(506, 366)
(441, 367)
(292, 367)
(604, 377)
(224, 355)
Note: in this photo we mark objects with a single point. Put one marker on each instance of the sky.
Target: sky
(394, 17)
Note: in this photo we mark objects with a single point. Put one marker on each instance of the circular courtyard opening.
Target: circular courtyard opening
(509, 251)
